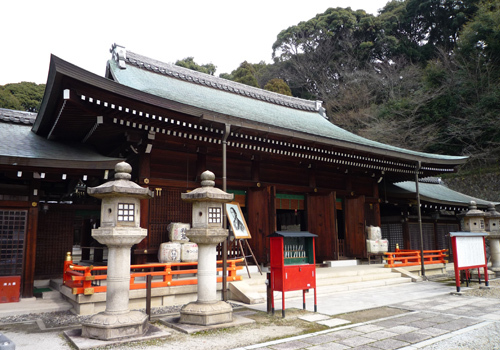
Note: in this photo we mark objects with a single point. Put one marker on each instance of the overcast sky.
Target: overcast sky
(224, 33)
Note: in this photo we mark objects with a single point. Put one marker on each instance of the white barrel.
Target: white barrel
(189, 252)
(177, 232)
(169, 252)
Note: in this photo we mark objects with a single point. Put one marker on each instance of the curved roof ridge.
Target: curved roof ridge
(219, 83)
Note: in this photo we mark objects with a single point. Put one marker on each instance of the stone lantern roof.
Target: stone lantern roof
(207, 192)
(492, 213)
(473, 211)
(121, 185)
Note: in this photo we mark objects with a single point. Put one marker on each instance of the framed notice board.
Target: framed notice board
(469, 252)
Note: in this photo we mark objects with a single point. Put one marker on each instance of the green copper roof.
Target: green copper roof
(238, 100)
(434, 192)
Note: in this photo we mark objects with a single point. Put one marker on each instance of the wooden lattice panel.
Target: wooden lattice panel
(12, 233)
(54, 239)
(164, 209)
(427, 233)
(393, 232)
(443, 238)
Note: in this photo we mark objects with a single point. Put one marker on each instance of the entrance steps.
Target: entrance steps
(328, 280)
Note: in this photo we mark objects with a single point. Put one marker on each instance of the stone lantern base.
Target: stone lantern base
(104, 326)
(494, 240)
(206, 314)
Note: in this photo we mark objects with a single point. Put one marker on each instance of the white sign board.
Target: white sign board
(470, 251)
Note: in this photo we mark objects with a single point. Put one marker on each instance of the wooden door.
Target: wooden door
(261, 221)
(355, 227)
(321, 221)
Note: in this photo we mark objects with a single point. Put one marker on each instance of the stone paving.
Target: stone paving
(428, 321)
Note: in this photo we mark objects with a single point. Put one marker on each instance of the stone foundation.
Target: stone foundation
(206, 314)
(106, 326)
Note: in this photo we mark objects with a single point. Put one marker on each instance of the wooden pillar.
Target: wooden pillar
(256, 169)
(312, 176)
(376, 206)
(30, 253)
(201, 162)
(140, 254)
(406, 233)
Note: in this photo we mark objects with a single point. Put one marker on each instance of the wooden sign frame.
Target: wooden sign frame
(469, 252)
(237, 221)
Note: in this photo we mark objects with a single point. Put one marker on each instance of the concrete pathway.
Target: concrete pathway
(435, 321)
(343, 302)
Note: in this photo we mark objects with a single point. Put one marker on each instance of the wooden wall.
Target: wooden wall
(261, 219)
(321, 221)
(318, 185)
(54, 239)
(355, 227)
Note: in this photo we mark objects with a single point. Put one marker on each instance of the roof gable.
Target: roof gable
(21, 146)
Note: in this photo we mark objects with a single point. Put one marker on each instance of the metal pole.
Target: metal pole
(417, 169)
(224, 221)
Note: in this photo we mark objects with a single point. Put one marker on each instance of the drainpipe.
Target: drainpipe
(224, 221)
(417, 169)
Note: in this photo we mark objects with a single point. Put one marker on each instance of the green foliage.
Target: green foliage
(481, 36)
(189, 63)
(23, 96)
(435, 74)
(245, 74)
(279, 86)
(258, 75)
(436, 23)
(423, 74)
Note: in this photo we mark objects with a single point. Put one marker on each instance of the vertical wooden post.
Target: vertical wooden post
(30, 252)
(149, 279)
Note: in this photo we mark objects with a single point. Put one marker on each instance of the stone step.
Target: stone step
(344, 288)
(34, 305)
(344, 275)
(328, 280)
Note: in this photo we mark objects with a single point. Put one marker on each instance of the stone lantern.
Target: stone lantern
(474, 219)
(119, 230)
(492, 219)
(207, 232)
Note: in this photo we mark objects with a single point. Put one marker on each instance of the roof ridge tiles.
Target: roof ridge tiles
(17, 117)
(200, 78)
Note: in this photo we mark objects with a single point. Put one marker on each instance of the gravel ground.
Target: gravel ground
(27, 330)
(27, 335)
(475, 289)
(67, 318)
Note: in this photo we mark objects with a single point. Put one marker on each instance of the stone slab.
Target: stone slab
(334, 322)
(314, 317)
(173, 322)
(81, 343)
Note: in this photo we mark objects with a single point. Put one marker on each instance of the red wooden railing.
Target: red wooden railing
(402, 257)
(87, 279)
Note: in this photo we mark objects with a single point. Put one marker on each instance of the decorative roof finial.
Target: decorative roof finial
(119, 55)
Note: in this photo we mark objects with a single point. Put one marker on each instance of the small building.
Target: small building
(442, 211)
(44, 209)
(289, 167)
